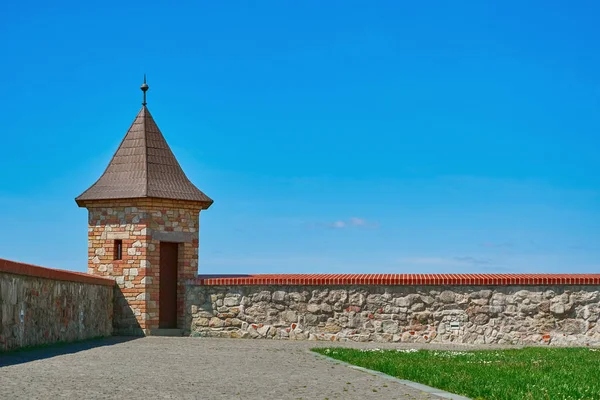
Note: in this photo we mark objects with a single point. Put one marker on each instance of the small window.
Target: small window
(118, 249)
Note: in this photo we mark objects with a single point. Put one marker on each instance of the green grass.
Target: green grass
(530, 373)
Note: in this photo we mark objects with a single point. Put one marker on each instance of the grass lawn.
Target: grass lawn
(531, 373)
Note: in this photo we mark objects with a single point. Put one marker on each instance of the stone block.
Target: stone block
(263, 330)
(481, 319)
(447, 296)
(332, 328)
(357, 299)
(117, 235)
(232, 301)
(573, 326)
(262, 296)
(560, 308)
(326, 308)
(297, 297)
(310, 319)
(142, 296)
(289, 316)
(336, 296)
(216, 323)
(390, 326)
(407, 301)
(278, 296)
(313, 308)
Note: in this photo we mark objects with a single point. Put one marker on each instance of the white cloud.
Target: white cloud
(357, 221)
(338, 224)
(352, 222)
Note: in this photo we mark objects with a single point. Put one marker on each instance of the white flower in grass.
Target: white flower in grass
(407, 350)
(451, 354)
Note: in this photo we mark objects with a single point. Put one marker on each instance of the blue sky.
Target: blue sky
(334, 137)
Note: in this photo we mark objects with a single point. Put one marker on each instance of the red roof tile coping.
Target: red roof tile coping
(17, 268)
(398, 279)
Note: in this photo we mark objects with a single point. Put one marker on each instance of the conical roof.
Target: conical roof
(144, 166)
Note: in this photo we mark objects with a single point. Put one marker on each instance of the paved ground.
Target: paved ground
(192, 368)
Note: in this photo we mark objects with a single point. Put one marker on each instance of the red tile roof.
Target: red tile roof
(144, 166)
(399, 279)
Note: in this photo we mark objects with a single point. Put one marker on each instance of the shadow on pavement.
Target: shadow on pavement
(38, 353)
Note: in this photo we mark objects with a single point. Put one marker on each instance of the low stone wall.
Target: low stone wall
(539, 312)
(43, 306)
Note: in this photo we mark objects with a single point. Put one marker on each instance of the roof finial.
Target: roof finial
(144, 88)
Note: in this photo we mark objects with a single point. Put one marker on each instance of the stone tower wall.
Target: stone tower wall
(141, 224)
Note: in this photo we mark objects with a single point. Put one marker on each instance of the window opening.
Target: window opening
(118, 249)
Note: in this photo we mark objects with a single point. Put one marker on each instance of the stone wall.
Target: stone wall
(502, 314)
(141, 224)
(43, 306)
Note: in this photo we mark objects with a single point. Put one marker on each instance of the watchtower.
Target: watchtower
(143, 229)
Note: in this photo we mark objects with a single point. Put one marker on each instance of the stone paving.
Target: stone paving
(193, 368)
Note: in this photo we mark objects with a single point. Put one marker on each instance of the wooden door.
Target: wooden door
(167, 313)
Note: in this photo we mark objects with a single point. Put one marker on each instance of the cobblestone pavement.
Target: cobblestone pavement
(193, 368)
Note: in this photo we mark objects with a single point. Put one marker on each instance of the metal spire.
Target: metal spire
(144, 88)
